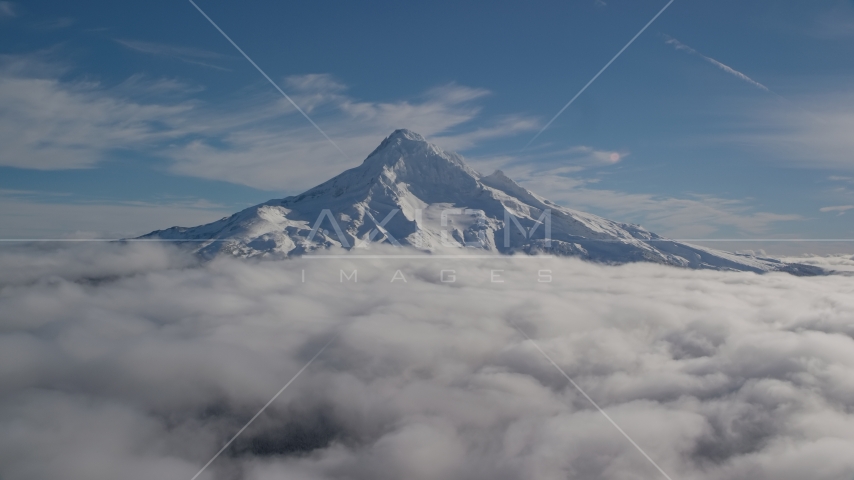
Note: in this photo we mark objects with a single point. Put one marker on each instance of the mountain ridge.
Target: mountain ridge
(409, 192)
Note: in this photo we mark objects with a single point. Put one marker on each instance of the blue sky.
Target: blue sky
(725, 119)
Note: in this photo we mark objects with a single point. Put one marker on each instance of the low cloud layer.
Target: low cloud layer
(136, 362)
(843, 264)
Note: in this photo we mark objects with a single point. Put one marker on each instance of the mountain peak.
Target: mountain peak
(406, 134)
(411, 192)
(405, 147)
(402, 140)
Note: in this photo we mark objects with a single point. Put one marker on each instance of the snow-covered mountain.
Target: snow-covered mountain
(411, 193)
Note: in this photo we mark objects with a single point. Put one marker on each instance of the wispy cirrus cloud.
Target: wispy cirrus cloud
(56, 23)
(577, 155)
(560, 175)
(840, 209)
(41, 215)
(273, 151)
(815, 136)
(8, 10)
(260, 140)
(49, 123)
(315, 83)
(140, 85)
(726, 68)
(191, 55)
(505, 126)
(834, 22)
(806, 130)
(688, 216)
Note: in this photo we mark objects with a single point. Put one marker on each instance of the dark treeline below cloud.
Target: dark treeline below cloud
(136, 362)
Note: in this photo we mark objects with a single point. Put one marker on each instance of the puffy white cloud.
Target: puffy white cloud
(132, 361)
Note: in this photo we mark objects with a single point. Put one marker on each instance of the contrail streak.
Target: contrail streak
(726, 68)
(270, 80)
(600, 73)
(685, 48)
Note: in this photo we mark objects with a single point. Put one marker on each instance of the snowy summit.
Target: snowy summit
(411, 193)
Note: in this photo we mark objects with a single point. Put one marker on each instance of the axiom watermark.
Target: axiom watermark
(478, 234)
(402, 276)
